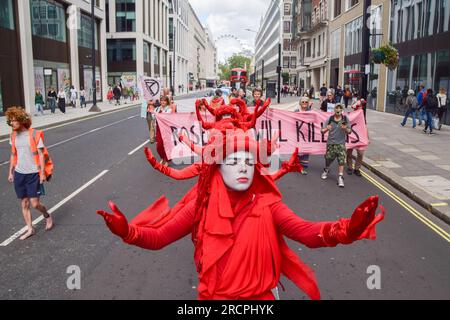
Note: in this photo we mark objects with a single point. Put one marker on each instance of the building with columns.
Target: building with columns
(138, 40)
(179, 44)
(49, 45)
(311, 41)
(276, 28)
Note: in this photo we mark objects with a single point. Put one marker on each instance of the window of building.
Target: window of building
(287, 26)
(146, 52)
(285, 62)
(319, 43)
(155, 55)
(335, 38)
(286, 44)
(121, 50)
(6, 15)
(107, 14)
(85, 33)
(353, 34)
(351, 3)
(337, 8)
(314, 48)
(48, 20)
(308, 49)
(125, 15)
(293, 62)
(287, 8)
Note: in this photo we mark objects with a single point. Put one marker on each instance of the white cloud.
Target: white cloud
(231, 17)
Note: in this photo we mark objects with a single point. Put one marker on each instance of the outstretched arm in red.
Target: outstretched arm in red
(150, 238)
(183, 174)
(329, 234)
(293, 165)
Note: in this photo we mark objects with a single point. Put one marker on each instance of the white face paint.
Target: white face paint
(226, 116)
(238, 171)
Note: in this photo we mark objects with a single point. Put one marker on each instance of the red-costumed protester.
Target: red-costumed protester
(238, 221)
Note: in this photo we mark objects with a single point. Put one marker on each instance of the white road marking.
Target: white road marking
(138, 148)
(81, 135)
(56, 207)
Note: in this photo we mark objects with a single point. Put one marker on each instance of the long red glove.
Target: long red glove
(116, 222)
(155, 164)
(361, 225)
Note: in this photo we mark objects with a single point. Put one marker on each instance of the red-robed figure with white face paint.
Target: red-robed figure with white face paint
(238, 222)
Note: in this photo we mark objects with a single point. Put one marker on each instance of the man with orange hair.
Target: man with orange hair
(28, 166)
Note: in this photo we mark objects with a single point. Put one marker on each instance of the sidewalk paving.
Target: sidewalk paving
(415, 163)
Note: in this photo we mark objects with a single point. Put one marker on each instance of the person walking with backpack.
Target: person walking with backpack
(338, 127)
(412, 105)
(29, 168)
(421, 97)
(430, 106)
(442, 107)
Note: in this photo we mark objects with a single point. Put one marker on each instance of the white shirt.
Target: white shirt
(442, 100)
(73, 93)
(25, 160)
(61, 95)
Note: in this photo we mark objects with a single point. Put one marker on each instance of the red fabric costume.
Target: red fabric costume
(240, 251)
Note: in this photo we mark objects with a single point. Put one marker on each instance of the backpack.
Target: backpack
(347, 94)
(432, 102)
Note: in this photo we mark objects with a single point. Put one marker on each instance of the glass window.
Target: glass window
(351, 3)
(125, 16)
(337, 8)
(285, 62)
(353, 34)
(155, 55)
(146, 52)
(48, 20)
(287, 8)
(85, 33)
(6, 14)
(121, 50)
(287, 26)
(293, 62)
(335, 43)
(286, 44)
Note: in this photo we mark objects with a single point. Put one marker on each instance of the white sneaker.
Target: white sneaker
(341, 181)
(325, 174)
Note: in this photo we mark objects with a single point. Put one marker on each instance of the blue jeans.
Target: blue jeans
(422, 116)
(429, 123)
(82, 102)
(39, 108)
(412, 112)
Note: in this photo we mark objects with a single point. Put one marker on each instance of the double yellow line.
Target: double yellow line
(408, 208)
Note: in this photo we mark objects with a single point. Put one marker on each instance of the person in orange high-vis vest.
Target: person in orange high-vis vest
(30, 166)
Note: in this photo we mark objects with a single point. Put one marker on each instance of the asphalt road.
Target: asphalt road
(413, 259)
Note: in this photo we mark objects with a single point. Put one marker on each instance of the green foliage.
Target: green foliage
(387, 55)
(285, 76)
(235, 61)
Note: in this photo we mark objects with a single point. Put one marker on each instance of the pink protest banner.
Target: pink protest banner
(302, 130)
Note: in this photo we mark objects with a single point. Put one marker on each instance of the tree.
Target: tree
(285, 76)
(235, 61)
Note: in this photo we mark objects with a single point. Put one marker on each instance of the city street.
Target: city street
(102, 159)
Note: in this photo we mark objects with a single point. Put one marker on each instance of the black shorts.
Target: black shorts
(26, 185)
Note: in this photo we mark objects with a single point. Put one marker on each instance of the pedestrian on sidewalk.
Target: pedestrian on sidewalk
(361, 104)
(338, 127)
(27, 166)
(421, 97)
(338, 94)
(83, 98)
(305, 106)
(442, 108)
(242, 95)
(73, 96)
(328, 104)
(110, 95)
(62, 100)
(39, 102)
(430, 106)
(323, 92)
(347, 96)
(412, 106)
(52, 96)
(117, 92)
(311, 93)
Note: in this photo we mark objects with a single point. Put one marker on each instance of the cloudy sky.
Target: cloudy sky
(231, 17)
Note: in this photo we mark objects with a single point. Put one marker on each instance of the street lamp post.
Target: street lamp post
(174, 59)
(94, 107)
(279, 74)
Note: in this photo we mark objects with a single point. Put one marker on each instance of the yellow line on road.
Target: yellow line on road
(442, 204)
(408, 208)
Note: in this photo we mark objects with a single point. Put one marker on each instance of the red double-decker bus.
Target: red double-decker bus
(239, 78)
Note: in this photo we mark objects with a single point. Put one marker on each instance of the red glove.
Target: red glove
(117, 222)
(150, 157)
(294, 164)
(361, 225)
